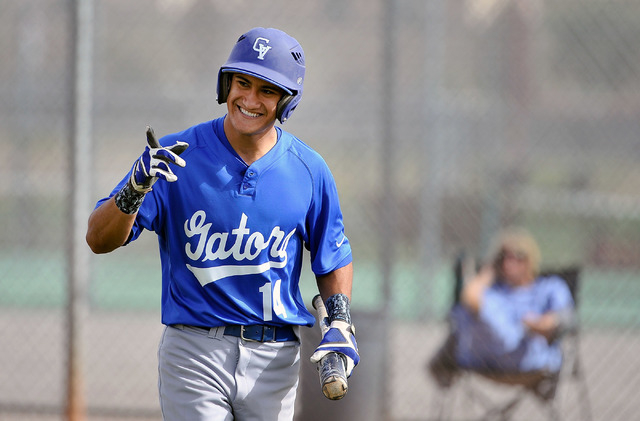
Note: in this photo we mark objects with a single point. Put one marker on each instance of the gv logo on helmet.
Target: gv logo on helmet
(261, 47)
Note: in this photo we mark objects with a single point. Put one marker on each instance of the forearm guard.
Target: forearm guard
(128, 199)
(338, 308)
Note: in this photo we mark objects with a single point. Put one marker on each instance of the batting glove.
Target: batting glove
(154, 163)
(339, 338)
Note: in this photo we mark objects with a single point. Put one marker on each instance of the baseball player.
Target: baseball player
(233, 202)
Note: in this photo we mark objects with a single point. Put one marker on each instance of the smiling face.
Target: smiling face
(251, 107)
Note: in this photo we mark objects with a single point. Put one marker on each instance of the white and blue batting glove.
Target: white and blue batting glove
(154, 163)
(339, 338)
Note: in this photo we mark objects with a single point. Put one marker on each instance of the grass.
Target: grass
(125, 281)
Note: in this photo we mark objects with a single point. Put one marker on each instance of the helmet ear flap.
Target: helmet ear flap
(283, 106)
(224, 84)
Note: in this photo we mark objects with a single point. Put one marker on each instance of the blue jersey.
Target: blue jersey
(231, 235)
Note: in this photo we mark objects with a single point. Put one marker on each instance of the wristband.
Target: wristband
(128, 199)
(338, 308)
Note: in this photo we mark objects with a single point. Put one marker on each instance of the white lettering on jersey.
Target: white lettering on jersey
(214, 247)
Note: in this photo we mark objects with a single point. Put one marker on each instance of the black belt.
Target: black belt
(253, 333)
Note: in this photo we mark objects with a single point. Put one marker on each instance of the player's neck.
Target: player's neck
(253, 146)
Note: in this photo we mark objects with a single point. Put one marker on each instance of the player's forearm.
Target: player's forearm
(108, 227)
(337, 282)
(335, 289)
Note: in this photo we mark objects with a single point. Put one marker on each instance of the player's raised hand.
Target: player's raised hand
(154, 163)
(339, 338)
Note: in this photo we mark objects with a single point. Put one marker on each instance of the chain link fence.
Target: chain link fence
(442, 121)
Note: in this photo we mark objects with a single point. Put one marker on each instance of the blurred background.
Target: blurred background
(442, 121)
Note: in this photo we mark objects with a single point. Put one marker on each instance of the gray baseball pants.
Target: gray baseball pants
(219, 377)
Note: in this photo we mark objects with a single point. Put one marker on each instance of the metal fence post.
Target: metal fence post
(79, 127)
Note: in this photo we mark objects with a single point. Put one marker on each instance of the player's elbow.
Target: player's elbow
(100, 244)
(96, 246)
(107, 228)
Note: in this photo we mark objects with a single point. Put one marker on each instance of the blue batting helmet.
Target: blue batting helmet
(271, 55)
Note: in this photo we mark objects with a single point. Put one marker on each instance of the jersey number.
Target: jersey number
(271, 301)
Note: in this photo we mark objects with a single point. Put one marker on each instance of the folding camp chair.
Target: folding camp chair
(457, 384)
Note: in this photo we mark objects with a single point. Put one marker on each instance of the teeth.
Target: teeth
(247, 113)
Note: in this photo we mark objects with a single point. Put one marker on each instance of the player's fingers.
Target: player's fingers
(318, 355)
(151, 138)
(163, 173)
(167, 156)
(178, 148)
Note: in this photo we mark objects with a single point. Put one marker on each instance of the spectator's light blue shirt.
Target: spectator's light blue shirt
(497, 337)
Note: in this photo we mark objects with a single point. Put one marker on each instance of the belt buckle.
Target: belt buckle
(262, 336)
(243, 337)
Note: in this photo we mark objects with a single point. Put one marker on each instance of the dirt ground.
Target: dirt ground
(120, 372)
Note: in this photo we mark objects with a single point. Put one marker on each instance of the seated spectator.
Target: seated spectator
(508, 318)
